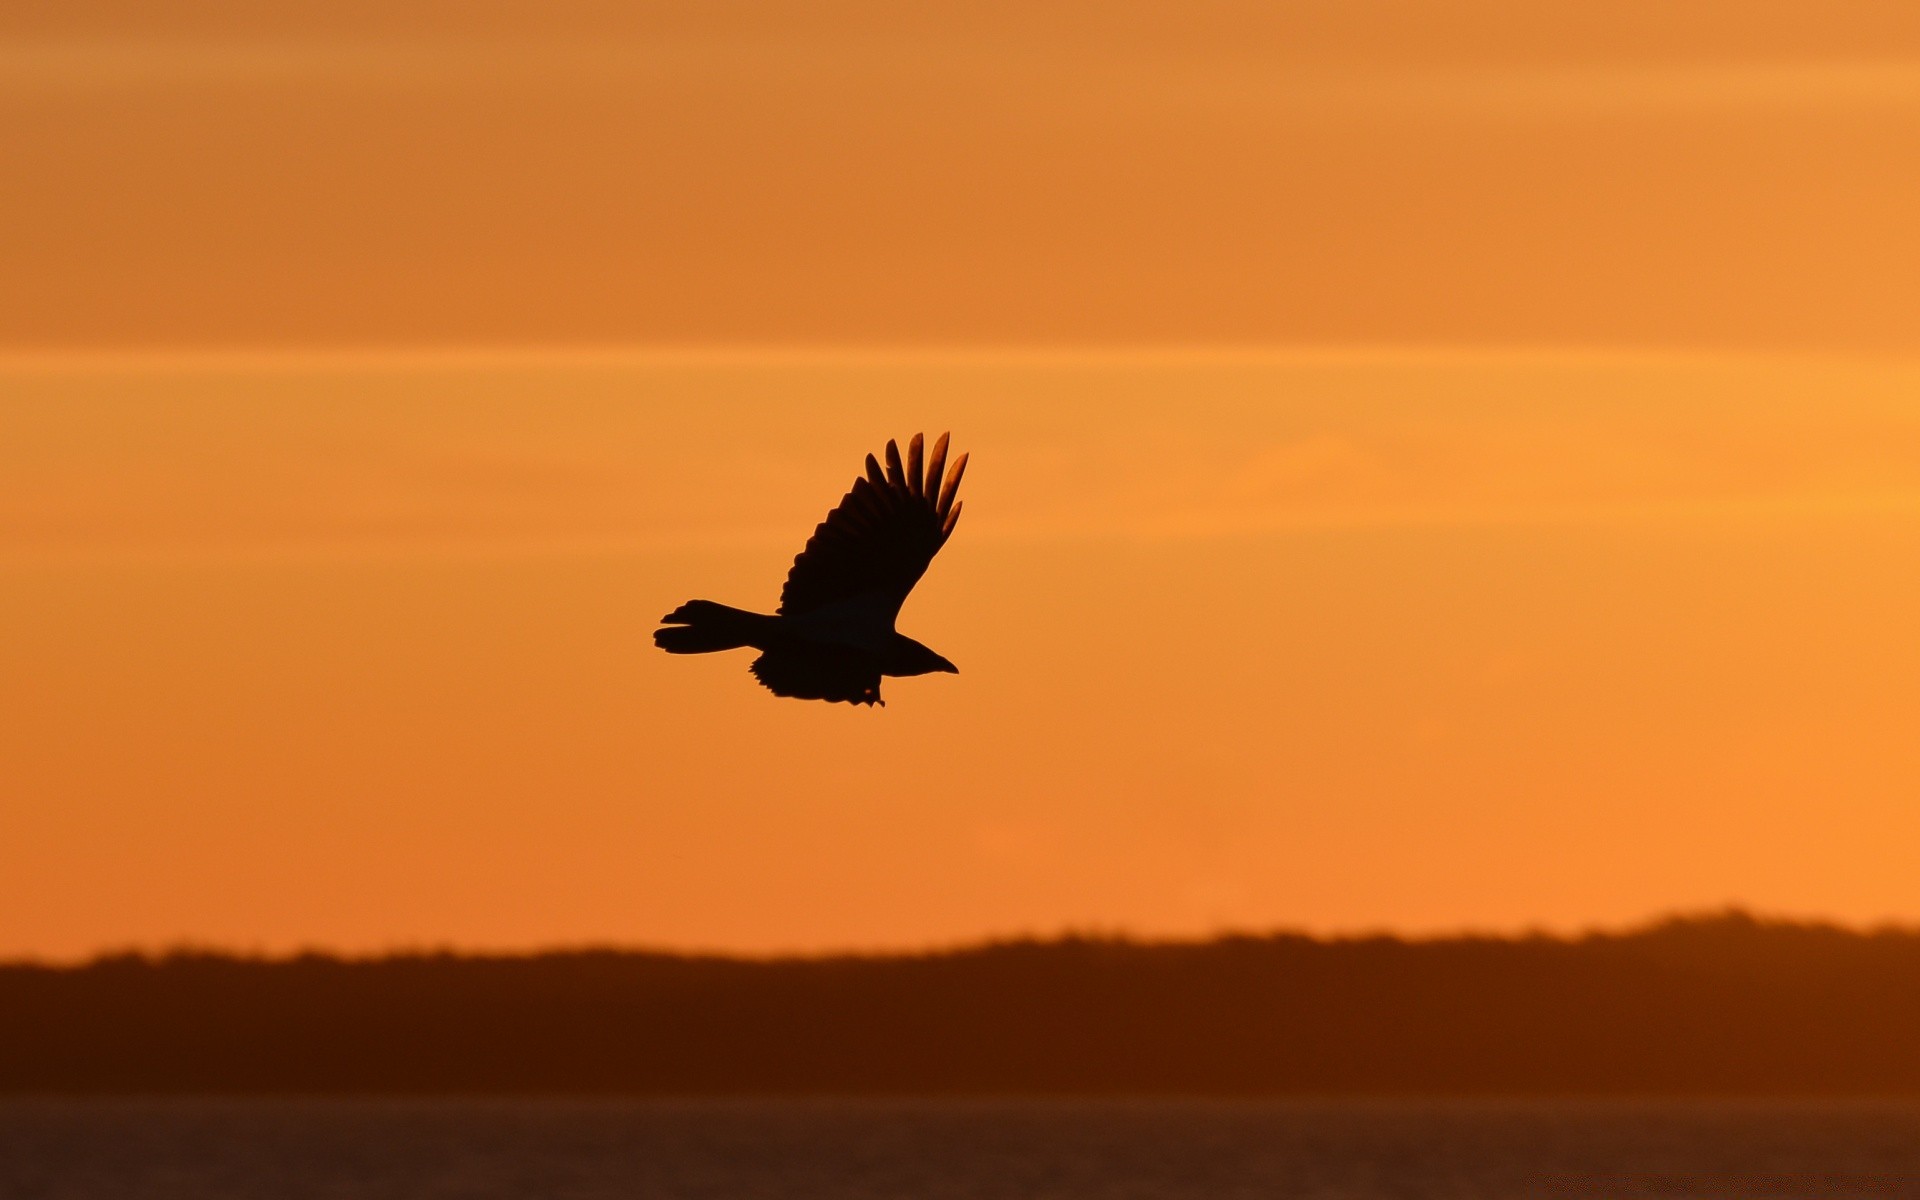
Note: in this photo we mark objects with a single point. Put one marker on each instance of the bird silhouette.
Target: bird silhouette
(833, 636)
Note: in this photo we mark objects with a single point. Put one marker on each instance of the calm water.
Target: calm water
(561, 1149)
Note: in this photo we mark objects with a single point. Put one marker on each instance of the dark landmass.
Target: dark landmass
(1722, 1005)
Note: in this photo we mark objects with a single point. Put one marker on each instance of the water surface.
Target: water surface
(980, 1150)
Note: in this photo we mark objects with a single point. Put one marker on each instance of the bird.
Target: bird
(833, 636)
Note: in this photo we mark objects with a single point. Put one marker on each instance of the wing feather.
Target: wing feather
(896, 475)
(954, 473)
(916, 483)
(876, 543)
(863, 505)
(936, 468)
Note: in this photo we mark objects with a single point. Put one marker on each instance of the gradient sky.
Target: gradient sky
(1435, 465)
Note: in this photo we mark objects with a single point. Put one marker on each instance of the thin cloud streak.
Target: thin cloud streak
(1125, 79)
(338, 456)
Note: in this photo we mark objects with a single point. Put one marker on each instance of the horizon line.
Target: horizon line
(1718, 915)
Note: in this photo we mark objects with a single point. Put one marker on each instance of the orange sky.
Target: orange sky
(1435, 465)
(393, 172)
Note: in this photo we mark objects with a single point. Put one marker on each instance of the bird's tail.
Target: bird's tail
(701, 627)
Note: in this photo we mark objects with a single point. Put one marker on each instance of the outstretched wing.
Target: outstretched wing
(820, 673)
(877, 543)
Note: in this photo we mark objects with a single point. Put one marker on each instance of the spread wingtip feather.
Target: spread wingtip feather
(952, 485)
(896, 474)
(936, 468)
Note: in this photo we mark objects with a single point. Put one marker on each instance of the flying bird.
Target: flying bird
(833, 636)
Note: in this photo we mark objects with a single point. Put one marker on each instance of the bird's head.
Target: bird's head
(911, 658)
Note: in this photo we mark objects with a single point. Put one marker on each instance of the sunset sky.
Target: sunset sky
(1435, 466)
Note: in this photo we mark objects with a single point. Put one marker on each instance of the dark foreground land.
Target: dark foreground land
(1717, 1006)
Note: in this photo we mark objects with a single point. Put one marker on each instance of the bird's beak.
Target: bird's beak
(949, 667)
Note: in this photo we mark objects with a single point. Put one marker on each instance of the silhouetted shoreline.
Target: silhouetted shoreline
(1718, 1005)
